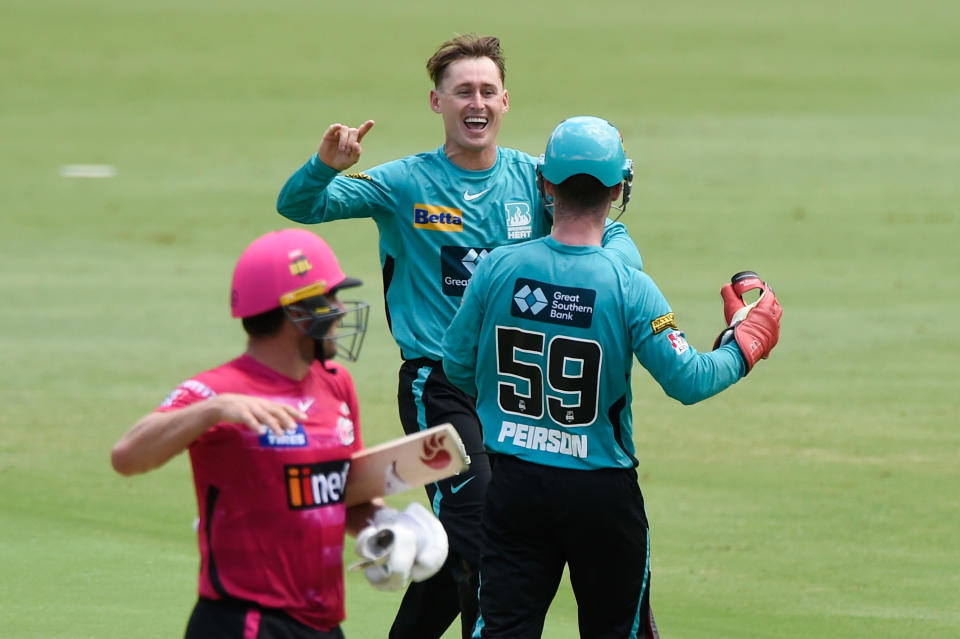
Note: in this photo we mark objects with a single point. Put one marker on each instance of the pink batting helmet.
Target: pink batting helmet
(281, 262)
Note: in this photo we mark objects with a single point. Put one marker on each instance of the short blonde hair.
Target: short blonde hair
(465, 46)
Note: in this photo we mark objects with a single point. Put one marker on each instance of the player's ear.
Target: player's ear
(548, 187)
(506, 101)
(434, 101)
(615, 192)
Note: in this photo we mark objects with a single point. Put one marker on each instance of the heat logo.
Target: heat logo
(519, 221)
(316, 485)
(433, 454)
(437, 218)
(299, 264)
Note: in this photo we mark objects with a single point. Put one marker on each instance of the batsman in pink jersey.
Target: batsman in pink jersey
(270, 436)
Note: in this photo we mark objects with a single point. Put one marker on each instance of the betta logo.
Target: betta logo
(437, 218)
(433, 454)
(299, 264)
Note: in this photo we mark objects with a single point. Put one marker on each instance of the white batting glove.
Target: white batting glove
(399, 546)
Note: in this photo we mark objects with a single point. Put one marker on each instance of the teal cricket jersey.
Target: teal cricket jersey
(437, 222)
(545, 340)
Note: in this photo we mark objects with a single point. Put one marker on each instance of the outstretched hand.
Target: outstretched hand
(340, 147)
(256, 412)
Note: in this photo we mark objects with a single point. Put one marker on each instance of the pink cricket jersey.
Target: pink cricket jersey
(271, 507)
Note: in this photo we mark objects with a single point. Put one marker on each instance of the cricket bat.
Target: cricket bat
(405, 463)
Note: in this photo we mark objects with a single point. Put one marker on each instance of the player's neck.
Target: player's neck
(582, 230)
(471, 160)
(281, 355)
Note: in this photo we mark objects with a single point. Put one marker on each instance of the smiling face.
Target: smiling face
(471, 99)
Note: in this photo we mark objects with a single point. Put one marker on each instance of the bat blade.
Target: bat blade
(405, 463)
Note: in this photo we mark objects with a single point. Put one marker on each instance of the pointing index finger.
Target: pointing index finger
(362, 131)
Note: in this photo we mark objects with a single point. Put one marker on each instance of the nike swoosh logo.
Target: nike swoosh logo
(456, 489)
(468, 196)
(305, 404)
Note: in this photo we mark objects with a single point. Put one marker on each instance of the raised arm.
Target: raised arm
(159, 436)
(661, 347)
(316, 193)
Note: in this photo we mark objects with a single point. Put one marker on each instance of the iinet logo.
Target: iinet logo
(316, 485)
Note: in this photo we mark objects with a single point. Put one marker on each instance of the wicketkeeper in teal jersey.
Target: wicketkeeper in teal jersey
(545, 341)
(439, 214)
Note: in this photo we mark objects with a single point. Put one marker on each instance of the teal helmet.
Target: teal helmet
(588, 145)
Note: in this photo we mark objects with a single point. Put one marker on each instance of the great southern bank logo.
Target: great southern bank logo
(457, 264)
(472, 258)
(530, 300)
(553, 304)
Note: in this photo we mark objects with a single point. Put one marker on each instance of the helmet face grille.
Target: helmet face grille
(585, 145)
(343, 323)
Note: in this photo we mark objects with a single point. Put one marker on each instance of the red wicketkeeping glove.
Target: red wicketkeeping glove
(756, 327)
(733, 292)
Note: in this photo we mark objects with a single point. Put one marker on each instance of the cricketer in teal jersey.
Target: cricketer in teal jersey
(439, 214)
(437, 222)
(545, 340)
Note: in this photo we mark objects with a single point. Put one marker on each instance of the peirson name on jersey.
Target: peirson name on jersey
(437, 218)
(316, 485)
(553, 304)
(545, 439)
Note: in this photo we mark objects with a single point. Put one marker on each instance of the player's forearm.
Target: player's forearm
(616, 238)
(158, 437)
(302, 198)
(704, 375)
(459, 358)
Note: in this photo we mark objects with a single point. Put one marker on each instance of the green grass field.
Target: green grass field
(815, 142)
